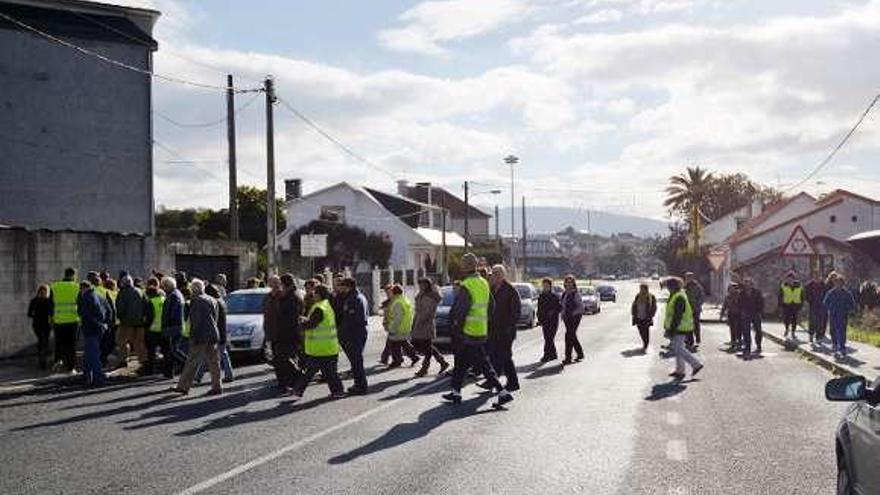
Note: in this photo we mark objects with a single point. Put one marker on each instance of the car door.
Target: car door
(865, 436)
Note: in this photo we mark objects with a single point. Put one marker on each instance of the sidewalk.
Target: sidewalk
(862, 359)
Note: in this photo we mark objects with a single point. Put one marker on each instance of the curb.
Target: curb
(819, 359)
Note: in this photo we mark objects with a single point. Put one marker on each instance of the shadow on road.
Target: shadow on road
(409, 391)
(245, 417)
(528, 368)
(635, 352)
(666, 390)
(545, 371)
(425, 424)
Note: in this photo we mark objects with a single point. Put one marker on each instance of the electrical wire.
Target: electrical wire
(837, 148)
(117, 63)
(210, 123)
(326, 135)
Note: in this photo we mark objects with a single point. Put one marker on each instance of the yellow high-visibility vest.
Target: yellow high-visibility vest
(792, 295)
(157, 302)
(476, 323)
(687, 319)
(321, 341)
(64, 294)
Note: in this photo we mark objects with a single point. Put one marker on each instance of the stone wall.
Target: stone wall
(31, 258)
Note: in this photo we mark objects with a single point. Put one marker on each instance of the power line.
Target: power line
(326, 135)
(117, 63)
(210, 123)
(837, 148)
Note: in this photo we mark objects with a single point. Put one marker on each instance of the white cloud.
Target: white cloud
(604, 16)
(429, 24)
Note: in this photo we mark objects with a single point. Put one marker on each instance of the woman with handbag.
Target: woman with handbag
(644, 307)
(572, 312)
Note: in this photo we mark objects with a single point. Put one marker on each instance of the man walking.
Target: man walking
(678, 322)
(65, 319)
(285, 312)
(752, 312)
(172, 317)
(153, 335)
(320, 346)
(549, 308)
(815, 294)
(695, 295)
(840, 303)
(502, 326)
(131, 308)
(353, 332)
(204, 336)
(469, 320)
(790, 300)
(93, 317)
(400, 323)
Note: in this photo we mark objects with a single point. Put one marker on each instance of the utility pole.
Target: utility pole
(233, 180)
(497, 233)
(467, 215)
(270, 177)
(512, 160)
(445, 271)
(525, 262)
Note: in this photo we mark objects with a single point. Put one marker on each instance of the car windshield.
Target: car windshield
(587, 291)
(448, 296)
(603, 289)
(245, 304)
(525, 292)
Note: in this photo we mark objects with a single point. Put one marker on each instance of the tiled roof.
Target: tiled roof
(451, 202)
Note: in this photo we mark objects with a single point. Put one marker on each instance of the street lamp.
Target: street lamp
(512, 160)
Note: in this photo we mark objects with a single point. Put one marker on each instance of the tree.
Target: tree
(346, 245)
(687, 192)
(730, 192)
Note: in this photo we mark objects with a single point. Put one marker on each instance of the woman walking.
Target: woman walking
(644, 307)
(572, 312)
(424, 330)
(549, 308)
(320, 346)
(40, 312)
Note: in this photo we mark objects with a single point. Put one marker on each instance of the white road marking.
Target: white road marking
(674, 418)
(259, 461)
(678, 490)
(676, 450)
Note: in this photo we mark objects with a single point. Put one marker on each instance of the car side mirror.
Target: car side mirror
(846, 389)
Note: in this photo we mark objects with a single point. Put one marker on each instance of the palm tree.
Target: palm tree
(687, 194)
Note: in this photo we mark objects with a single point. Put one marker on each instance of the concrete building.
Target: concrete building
(802, 234)
(75, 131)
(415, 244)
(425, 192)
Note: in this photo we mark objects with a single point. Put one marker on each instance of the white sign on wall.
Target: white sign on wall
(313, 245)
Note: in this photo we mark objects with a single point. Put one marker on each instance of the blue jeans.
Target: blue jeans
(838, 332)
(92, 371)
(225, 365)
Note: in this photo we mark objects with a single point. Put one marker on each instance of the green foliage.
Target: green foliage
(622, 261)
(214, 224)
(346, 245)
(714, 195)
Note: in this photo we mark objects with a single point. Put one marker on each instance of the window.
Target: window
(854, 219)
(333, 213)
(833, 218)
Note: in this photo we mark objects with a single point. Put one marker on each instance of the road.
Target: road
(611, 424)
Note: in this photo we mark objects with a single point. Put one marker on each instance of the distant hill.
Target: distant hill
(548, 219)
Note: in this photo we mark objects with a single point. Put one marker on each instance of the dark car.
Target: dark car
(607, 293)
(441, 316)
(858, 435)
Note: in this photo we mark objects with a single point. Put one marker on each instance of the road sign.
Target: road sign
(313, 245)
(716, 259)
(798, 244)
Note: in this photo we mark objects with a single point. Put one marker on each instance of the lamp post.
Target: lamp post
(512, 160)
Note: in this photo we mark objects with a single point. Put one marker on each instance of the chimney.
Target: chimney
(402, 187)
(292, 189)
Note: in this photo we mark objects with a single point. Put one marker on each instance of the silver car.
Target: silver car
(858, 435)
(528, 296)
(590, 298)
(244, 323)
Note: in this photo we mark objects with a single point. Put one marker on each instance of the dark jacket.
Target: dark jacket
(505, 312)
(173, 314)
(751, 302)
(549, 307)
(92, 314)
(424, 327)
(572, 304)
(694, 292)
(221, 320)
(840, 302)
(814, 292)
(204, 316)
(459, 311)
(352, 318)
(286, 309)
(131, 307)
(651, 310)
(40, 311)
(271, 316)
(732, 305)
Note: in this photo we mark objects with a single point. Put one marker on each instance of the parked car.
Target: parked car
(858, 440)
(441, 316)
(244, 323)
(528, 295)
(590, 297)
(607, 293)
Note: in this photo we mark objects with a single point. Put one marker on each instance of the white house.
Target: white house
(414, 246)
(801, 234)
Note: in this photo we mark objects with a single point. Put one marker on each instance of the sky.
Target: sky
(602, 100)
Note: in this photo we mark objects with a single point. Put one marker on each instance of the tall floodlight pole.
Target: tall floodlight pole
(512, 160)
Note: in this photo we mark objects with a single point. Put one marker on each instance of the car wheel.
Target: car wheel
(844, 481)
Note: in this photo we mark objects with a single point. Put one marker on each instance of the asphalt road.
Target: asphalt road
(611, 424)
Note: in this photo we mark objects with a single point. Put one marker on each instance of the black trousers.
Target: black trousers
(689, 339)
(42, 332)
(470, 354)
(108, 344)
(282, 361)
(501, 354)
(571, 340)
(735, 324)
(65, 344)
(353, 347)
(398, 348)
(550, 328)
(152, 340)
(386, 352)
(427, 348)
(644, 332)
(790, 316)
(327, 366)
(170, 357)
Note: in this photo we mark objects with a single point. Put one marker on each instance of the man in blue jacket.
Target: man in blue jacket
(93, 323)
(172, 324)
